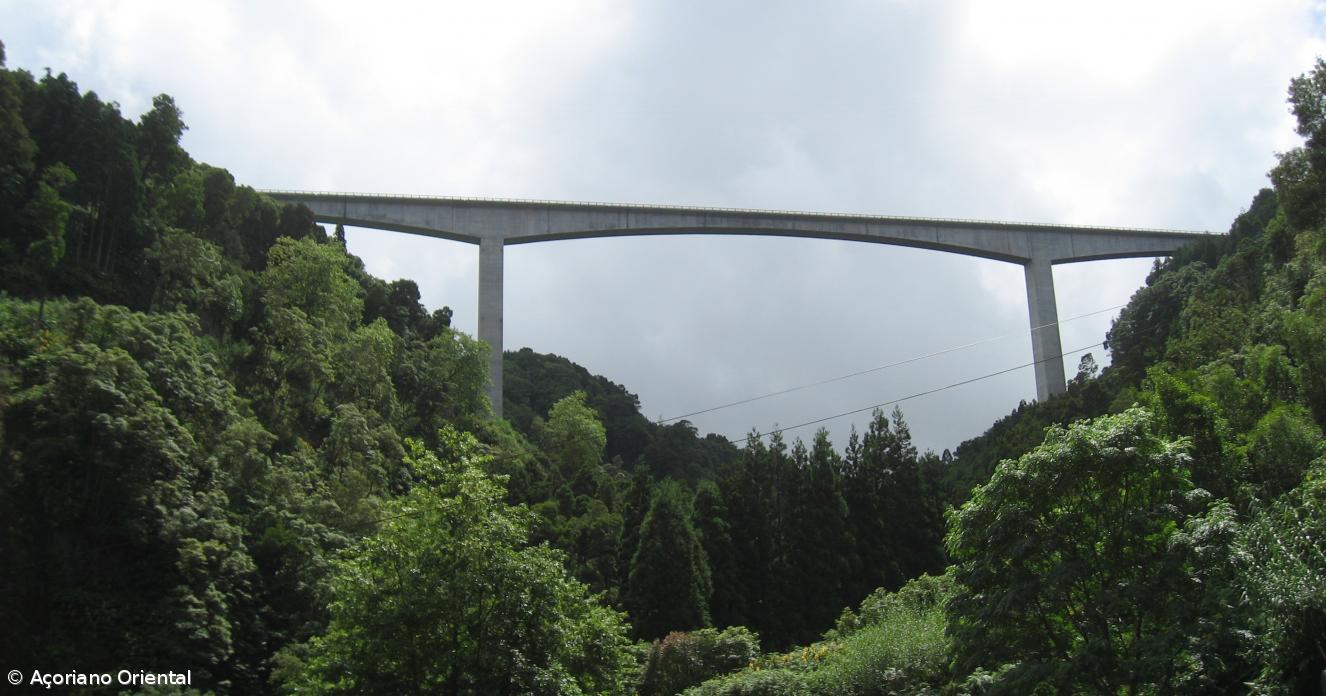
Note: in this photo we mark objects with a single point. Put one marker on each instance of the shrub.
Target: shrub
(769, 682)
(682, 660)
(903, 654)
(894, 643)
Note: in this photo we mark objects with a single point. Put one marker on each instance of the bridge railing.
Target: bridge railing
(965, 222)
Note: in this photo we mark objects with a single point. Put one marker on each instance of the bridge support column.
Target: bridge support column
(490, 314)
(1046, 349)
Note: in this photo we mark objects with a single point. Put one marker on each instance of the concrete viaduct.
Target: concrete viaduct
(495, 223)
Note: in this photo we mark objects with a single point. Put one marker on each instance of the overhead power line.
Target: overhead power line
(859, 373)
(756, 436)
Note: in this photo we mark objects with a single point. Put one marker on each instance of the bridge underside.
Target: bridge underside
(493, 224)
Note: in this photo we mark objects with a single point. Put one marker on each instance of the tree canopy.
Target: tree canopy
(448, 597)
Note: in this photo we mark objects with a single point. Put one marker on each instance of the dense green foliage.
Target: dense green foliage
(894, 643)
(1280, 555)
(534, 382)
(188, 448)
(803, 518)
(974, 461)
(669, 585)
(740, 546)
(682, 660)
(448, 598)
(109, 419)
(1083, 565)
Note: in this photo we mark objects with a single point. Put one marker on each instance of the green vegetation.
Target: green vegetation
(226, 448)
(1086, 565)
(894, 643)
(682, 660)
(447, 597)
(670, 585)
(1157, 529)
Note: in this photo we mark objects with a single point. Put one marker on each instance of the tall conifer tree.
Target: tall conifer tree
(669, 586)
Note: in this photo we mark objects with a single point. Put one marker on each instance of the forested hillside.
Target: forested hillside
(535, 382)
(1137, 341)
(1160, 528)
(226, 448)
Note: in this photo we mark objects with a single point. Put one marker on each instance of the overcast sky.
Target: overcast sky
(1140, 114)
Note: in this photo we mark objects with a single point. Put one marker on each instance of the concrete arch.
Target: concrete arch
(496, 223)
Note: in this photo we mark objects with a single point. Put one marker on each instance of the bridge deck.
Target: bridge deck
(519, 221)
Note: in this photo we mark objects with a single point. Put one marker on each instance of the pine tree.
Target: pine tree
(711, 522)
(820, 539)
(669, 585)
(872, 501)
(633, 510)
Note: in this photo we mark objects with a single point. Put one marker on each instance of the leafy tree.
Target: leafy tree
(1305, 337)
(1082, 564)
(361, 369)
(682, 660)
(439, 381)
(578, 493)
(362, 465)
(1298, 177)
(96, 144)
(1284, 571)
(1214, 320)
(113, 525)
(448, 598)
(1087, 370)
(160, 157)
(1137, 338)
(313, 279)
(1181, 410)
(534, 382)
(398, 303)
(677, 451)
(592, 539)
(575, 439)
(1280, 448)
(312, 306)
(634, 507)
(17, 148)
(193, 275)
(44, 217)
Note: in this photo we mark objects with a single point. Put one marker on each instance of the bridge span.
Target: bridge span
(496, 223)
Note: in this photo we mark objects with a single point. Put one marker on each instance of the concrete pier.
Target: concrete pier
(490, 314)
(1046, 348)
